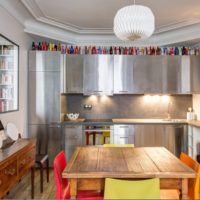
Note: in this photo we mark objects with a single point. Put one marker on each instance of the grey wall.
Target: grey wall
(129, 106)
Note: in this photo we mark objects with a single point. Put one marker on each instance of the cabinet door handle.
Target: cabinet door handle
(123, 91)
(97, 91)
(124, 126)
(123, 137)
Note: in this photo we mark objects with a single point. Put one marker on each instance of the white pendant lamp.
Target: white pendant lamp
(134, 22)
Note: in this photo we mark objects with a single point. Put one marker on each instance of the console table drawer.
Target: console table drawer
(8, 176)
(26, 160)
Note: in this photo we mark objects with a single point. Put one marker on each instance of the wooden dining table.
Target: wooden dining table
(89, 166)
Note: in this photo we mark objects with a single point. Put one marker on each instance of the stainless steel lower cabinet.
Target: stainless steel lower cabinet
(73, 138)
(174, 136)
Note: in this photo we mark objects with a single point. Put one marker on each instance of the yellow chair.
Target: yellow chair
(105, 134)
(125, 189)
(193, 185)
(118, 145)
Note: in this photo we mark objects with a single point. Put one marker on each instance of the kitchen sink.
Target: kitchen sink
(171, 120)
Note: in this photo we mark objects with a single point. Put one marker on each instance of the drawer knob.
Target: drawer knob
(10, 171)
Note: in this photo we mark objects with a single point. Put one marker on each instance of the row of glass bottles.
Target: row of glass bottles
(70, 49)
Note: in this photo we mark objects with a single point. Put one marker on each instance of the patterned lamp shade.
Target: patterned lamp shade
(134, 22)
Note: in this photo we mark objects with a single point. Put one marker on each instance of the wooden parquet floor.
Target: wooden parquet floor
(23, 189)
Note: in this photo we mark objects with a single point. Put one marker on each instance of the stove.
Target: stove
(98, 120)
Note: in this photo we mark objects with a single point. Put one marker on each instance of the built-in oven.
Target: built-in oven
(97, 132)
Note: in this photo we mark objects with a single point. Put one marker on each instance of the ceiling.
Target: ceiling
(91, 21)
(99, 14)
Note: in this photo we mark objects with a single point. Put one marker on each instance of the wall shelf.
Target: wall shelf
(9, 53)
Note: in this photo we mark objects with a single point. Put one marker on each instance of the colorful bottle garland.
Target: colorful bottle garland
(116, 50)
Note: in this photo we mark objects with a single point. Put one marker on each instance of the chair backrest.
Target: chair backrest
(118, 145)
(59, 165)
(42, 136)
(193, 185)
(125, 189)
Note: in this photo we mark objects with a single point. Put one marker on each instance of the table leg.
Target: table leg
(32, 181)
(73, 188)
(184, 186)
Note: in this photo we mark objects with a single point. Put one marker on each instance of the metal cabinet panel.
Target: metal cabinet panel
(195, 74)
(98, 74)
(47, 133)
(73, 138)
(123, 134)
(147, 74)
(44, 61)
(72, 73)
(171, 74)
(172, 137)
(44, 97)
(123, 74)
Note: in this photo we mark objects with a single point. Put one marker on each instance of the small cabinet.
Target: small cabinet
(123, 134)
(8, 75)
(98, 75)
(72, 74)
(73, 138)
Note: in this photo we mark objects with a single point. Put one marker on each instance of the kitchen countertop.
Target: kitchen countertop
(81, 121)
(148, 121)
(131, 121)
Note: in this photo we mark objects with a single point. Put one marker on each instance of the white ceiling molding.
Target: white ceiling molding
(36, 23)
(34, 9)
(167, 38)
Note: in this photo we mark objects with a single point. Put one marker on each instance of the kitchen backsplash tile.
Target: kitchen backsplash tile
(129, 106)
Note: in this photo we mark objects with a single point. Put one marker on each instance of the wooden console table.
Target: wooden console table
(15, 162)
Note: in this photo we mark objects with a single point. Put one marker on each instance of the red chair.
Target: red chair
(63, 186)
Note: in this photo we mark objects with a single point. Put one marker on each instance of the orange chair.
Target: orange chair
(193, 184)
(63, 186)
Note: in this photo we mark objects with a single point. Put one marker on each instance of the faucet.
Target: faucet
(168, 110)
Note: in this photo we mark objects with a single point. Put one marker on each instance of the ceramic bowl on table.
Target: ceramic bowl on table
(72, 116)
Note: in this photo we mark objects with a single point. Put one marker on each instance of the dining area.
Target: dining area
(125, 172)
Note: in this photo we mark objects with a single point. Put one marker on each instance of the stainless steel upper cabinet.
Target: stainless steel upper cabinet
(146, 74)
(171, 74)
(138, 74)
(72, 74)
(123, 74)
(194, 74)
(98, 75)
(44, 60)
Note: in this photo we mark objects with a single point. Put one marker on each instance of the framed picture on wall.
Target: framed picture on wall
(9, 75)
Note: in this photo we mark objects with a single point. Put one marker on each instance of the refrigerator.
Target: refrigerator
(44, 101)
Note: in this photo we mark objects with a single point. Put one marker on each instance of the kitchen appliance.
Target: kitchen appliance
(97, 131)
(44, 101)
